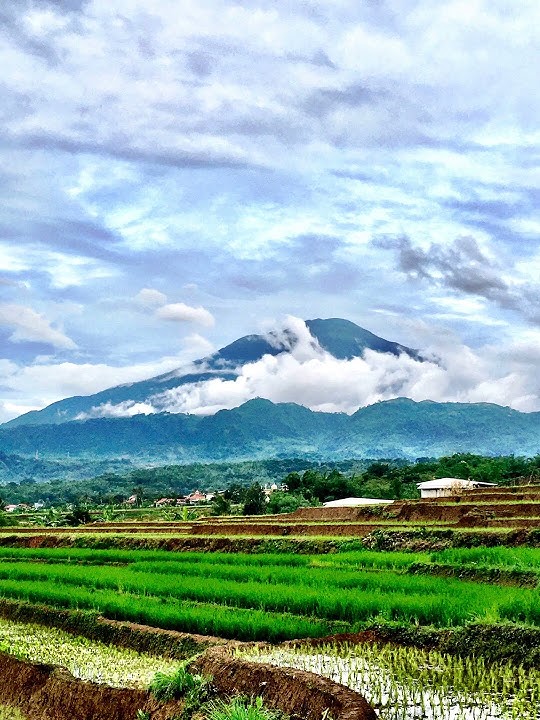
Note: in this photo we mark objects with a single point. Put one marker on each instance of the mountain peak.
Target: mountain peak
(344, 339)
(340, 338)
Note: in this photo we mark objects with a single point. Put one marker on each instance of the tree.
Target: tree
(255, 500)
(78, 516)
(283, 502)
(220, 506)
(138, 491)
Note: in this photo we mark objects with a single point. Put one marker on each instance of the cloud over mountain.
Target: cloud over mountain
(305, 373)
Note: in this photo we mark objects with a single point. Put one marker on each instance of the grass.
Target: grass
(180, 684)
(242, 708)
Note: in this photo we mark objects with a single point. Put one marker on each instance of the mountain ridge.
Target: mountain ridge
(260, 429)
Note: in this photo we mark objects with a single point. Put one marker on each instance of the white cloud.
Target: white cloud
(180, 312)
(34, 386)
(150, 298)
(124, 409)
(197, 345)
(9, 410)
(32, 326)
(309, 376)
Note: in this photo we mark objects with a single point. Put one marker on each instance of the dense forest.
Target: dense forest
(307, 482)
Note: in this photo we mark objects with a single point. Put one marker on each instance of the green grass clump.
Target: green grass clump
(194, 690)
(242, 708)
(180, 684)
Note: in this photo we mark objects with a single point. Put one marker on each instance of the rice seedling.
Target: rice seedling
(406, 683)
(519, 558)
(201, 618)
(10, 713)
(351, 597)
(85, 659)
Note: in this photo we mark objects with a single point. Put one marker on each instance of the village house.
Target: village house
(446, 487)
(165, 501)
(195, 497)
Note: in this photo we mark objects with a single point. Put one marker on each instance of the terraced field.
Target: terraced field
(321, 580)
(492, 510)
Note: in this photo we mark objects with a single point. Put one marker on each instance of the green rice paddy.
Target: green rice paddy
(262, 597)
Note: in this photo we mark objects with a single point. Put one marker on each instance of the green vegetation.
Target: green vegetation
(519, 558)
(241, 708)
(260, 429)
(84, 658)
(194, 689)
(165, 481)
(412, 682)
(308, 482)
(10, 713)
(259, 597)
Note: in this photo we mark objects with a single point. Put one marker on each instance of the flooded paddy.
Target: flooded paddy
(415, 684)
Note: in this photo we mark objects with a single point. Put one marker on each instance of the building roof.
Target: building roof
(443, 483)
(356, 502)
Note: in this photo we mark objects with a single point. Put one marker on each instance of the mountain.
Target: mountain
(21, 469)
(341, 338)
(260, 429)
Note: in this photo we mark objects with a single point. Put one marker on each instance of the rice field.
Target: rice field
(276, 597)
(257, 597)
(409, 683)
(518, 558)
(85, 659)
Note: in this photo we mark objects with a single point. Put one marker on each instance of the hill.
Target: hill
(260, 429)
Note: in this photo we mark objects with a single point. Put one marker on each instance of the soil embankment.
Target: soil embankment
(299, 694)
(43, 692)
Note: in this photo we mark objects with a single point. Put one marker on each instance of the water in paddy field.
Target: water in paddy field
(413, 684)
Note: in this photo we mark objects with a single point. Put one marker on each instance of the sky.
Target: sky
(177, 175)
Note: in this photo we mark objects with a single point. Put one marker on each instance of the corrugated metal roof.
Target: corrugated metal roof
(356, 502)
(442, 483)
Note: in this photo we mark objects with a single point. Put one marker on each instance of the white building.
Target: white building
(446, 487)
(356, 502)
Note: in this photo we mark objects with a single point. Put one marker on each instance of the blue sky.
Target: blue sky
(175, 175)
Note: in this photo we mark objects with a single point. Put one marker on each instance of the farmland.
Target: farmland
(452, 591)
(266, 597)
(405, 683)
(85, 659)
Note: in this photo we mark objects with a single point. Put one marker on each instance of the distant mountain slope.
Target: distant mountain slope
(341, 338)
(260, 429)
(16, 468)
